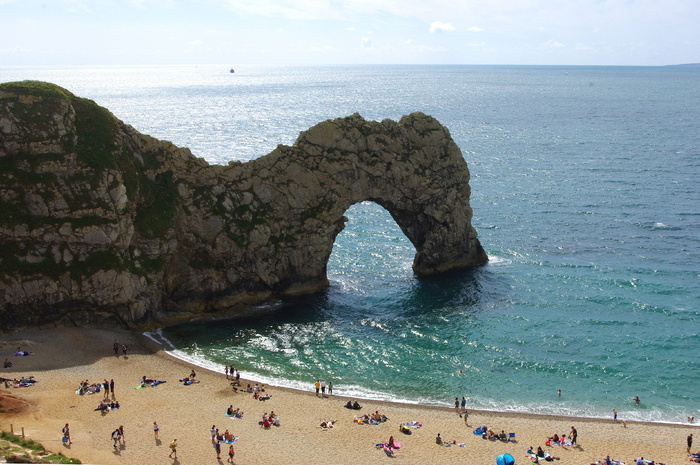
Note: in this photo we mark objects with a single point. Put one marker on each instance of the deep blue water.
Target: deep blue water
(585, 195)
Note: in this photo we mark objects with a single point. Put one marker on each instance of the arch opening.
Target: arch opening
(371, 249)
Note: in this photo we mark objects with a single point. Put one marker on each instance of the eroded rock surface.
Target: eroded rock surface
(100, 224)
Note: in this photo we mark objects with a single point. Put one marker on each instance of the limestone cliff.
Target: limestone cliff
(100, 224)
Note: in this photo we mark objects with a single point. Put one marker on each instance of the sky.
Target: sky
(308, 32)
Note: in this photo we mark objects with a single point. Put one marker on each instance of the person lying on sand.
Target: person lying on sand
(327, 424)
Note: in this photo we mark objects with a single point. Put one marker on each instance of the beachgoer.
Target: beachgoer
(390, 444)
(226, 371)
(238, 378)
(115, 347)
(66, 435)
(463, 404)
(317, 385)
(540, 452)
(193, 375)
(457, 407)
(7, 364)
(689, 439)
(213, 432)
(573, 435)
(115, 437)
(111, 387)
(636, 400)
(156, 428)
(559, 393)
(217, 447)
(122, 438)
(615, 415)
(173, 448)
(438, 440)
(323, 388)
(231, 453)
(330, 388)
(466, 415)
(105, 386)
(124, 348)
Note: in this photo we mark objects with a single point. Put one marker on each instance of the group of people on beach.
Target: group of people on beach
(86, 387)
(115, 347)
(107, 406)
(226, 437)
(235, 413)
(321, 386)
(269, 420)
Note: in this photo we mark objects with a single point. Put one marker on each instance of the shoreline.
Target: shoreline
(189, 411)
(194, 361)
(438, 407)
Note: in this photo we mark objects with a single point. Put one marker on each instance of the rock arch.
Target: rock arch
(412, 168)
(104, 225)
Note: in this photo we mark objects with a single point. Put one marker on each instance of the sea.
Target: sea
(586, 197)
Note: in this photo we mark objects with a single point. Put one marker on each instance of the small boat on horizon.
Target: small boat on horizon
(231, 71)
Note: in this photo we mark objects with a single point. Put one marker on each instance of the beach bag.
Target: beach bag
(65, 439)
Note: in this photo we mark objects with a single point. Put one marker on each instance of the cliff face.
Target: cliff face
(100, 224)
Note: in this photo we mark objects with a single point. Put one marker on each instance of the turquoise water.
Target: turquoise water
(585, 196)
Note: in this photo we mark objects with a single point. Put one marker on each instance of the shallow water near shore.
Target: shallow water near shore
(585, 196)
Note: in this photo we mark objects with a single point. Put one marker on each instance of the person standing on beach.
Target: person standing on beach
(156, 428)
(105, 386)
(226, 371)
(66, 435)
(115, 347)
(323, 388)
(330, 388)
(115, 437)
(317, 385)
(457, 407)
(173, 448)
(122, 439)
(574, 435)
(615, 415)
(689, 439)
(111, 387)
(124, 347)
(463, 404)
(217, 447)
(231, 453)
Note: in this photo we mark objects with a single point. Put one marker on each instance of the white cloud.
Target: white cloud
(475, 29)
(552, 44)
(439, 26)
(366, 43)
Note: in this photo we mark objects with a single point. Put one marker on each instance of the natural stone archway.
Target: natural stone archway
(103, 222)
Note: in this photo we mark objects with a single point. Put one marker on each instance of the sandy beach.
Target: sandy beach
(66, 356)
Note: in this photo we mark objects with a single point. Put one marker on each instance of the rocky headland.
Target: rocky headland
(103, 225)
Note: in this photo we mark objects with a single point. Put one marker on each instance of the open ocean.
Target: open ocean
(586, 197)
